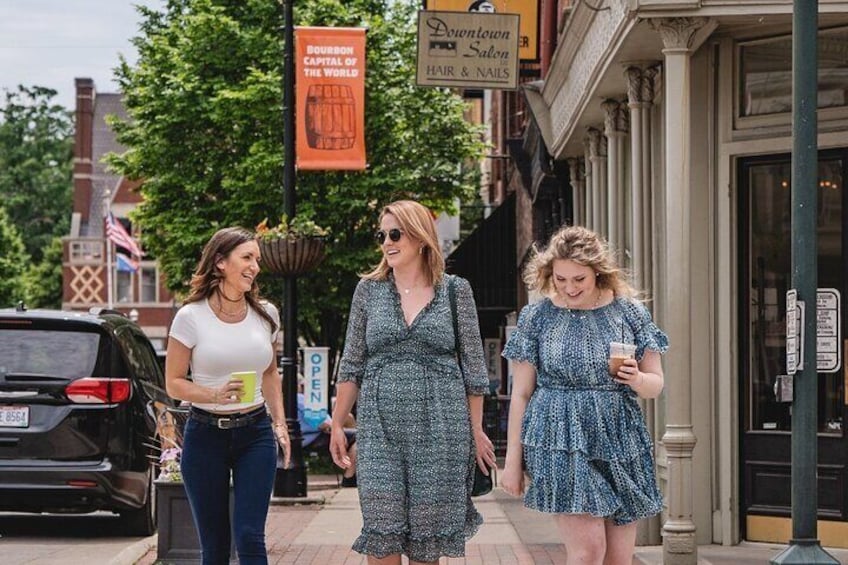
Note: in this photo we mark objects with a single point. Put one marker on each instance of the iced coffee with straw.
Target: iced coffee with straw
(618, 354)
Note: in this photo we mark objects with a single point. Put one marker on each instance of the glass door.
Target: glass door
(766, 410)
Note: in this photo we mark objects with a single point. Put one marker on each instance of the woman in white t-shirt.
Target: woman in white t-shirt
(221, 330)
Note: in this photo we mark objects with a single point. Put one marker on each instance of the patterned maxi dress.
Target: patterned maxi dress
(416, 455)
(586, 446)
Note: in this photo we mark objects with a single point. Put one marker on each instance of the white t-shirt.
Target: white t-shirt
(219, 348)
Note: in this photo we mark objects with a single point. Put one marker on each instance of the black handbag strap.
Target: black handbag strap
(482, 483)
(452, 297)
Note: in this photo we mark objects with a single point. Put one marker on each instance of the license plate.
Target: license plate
(14, 416)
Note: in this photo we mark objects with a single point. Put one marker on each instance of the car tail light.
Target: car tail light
(98, 391)
(81, 483)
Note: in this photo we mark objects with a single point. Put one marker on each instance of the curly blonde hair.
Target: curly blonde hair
(416, 221)
(584, 247)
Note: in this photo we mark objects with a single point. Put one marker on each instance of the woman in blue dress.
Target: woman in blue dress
(420, 416)
(576, 427)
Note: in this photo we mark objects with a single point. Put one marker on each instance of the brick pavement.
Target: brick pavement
(321, 534)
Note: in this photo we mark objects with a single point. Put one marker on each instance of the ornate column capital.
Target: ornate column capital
(615, 117)
(593, 142)
(623, 121)
(677, 33)
(634, 85)
(649, 80)
(574, 172)
(610, 107)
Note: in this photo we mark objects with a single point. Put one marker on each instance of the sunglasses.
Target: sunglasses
(393, 234)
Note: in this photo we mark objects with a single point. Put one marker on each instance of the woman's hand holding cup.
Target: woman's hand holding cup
(622, 364)
(230, 393)
(628, 373)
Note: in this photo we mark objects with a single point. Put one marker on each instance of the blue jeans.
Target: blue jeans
(209, 455)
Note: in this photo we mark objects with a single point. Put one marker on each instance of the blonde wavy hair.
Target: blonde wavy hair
(415, 221)
(584, 247)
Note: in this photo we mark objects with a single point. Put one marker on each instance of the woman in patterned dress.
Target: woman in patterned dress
(579, 430)
(420, 417)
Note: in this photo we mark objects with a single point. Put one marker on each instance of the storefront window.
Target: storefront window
(766, 74)
(148, 284)
(769, 197)
(123, 286)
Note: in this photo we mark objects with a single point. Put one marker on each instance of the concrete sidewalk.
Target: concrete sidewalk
(321, 534)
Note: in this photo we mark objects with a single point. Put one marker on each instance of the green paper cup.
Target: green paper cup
(248, 380)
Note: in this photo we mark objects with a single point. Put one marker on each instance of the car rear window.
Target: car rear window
(48, 352)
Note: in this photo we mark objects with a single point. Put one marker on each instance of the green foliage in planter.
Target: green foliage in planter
(299, 227)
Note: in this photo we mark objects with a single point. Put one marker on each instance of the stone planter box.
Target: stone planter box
(178, 541)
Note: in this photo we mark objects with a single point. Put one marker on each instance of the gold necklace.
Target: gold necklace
(406, 291)
(231, 314)
(223, 295)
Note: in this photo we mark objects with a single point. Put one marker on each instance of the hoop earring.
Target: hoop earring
(421, 250)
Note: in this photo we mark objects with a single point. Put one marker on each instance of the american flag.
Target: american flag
(116, 233)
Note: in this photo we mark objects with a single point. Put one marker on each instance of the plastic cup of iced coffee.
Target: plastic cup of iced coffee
(619, 353)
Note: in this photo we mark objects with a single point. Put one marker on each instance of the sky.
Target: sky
(52, 42)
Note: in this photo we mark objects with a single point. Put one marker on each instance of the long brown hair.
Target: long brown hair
(416, 221)
(207, 278)
(584, 247)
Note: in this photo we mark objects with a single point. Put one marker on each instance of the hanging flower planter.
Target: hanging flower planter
(291, 257)
(291, 248)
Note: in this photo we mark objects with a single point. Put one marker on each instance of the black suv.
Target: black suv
(79, 394)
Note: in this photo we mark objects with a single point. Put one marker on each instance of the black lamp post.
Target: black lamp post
(291, 481)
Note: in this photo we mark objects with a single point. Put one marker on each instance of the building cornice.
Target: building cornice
(707, 8)
(589, 41)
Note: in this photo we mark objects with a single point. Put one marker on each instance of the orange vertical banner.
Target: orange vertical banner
(330, 85)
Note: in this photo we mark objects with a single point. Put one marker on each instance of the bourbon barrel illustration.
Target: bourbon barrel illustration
(330, 117)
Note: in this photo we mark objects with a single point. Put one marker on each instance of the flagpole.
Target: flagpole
(107, 204)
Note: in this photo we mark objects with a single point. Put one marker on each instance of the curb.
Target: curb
(130, 555)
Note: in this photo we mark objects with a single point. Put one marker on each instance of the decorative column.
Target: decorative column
(615, 130)
(640, 227)
(578, 190)
(596, 164)
(588, 180)
(679, 545)
(640, 95)
(649, 78)
(637, 187)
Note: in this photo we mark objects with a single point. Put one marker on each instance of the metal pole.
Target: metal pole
(290, 482)
(804, 546)
(110, 285)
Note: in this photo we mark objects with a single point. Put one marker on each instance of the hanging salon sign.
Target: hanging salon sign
(528, 42)
(468, 50)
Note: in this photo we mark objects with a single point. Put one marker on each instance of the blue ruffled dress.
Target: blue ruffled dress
(586, 447)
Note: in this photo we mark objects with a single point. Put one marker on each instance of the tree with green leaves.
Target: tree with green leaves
(205, 135)
(36, 166)
(42, 282)
(13, 262)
